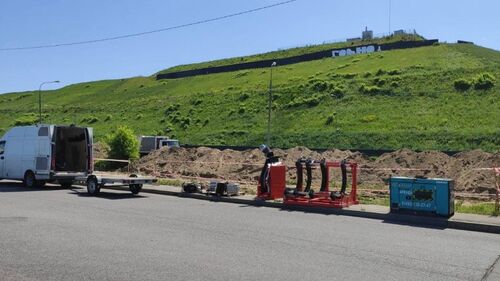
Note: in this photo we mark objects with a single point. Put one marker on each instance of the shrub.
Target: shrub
(139, 116)
(320, 86)
(484, 81)
(172, 108)
(330, 119)
(244, 96)
(369, 118)
(311, 101)
(380, 71)
(90, 119)
(25, 120)
(349, 75)
(379, 81)
(108, 117)
(394, 72)
(196, 102)
(462, 84)
(370, 90)
(185, 122)
(123, 144)
(394, 84)
(337, 93)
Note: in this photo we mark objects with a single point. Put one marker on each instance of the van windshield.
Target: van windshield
(71, 149)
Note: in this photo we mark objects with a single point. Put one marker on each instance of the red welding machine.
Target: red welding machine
(272, 183)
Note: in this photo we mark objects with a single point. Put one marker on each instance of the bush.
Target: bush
(320, 86)
(172, 108)
(196, 102)
(370, 90)
(108, 117)
(311, 101)
(462, 85)
(369, 118)
(330, 119)
(90, 119)
(25, 120)
(244, 96)
(185, 122)
(379, 81)
(394, 72)
(337, 93)
(484, 81)
(380, 72)
(123, 144)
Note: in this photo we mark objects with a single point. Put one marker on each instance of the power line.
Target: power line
(148, 32)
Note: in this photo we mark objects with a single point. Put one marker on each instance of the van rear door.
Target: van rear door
(42, 156)
(71, 149)
(2, 158)
(90, 149)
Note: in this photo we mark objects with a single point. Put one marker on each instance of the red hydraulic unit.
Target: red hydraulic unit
(272, 180)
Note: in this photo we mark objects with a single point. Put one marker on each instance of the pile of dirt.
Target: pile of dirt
(244, 166)
(100, 150)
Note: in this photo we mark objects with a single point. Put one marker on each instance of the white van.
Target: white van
(46, 153)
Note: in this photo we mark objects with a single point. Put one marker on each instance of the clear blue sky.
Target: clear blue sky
(35, 22)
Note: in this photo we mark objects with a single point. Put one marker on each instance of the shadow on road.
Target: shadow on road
(19, 187)
(107, 195)
(429, 222)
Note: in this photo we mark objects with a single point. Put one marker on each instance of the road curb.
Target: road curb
(404, 219)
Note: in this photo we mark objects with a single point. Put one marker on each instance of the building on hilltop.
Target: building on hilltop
(367, 34)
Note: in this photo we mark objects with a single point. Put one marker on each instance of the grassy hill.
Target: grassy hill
(443, 97)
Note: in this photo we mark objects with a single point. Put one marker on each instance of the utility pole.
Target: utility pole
(269, 106)
(40, 99)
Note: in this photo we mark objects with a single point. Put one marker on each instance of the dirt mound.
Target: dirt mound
(100, 150)
(244, 166)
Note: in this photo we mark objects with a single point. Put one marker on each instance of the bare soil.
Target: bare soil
(202, 164)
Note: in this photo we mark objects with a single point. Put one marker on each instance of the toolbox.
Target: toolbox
(422, 195)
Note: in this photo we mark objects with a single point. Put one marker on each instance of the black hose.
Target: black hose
(309, 175)
(343, 168)
(263, 175)
(300, 174)
(324, 175)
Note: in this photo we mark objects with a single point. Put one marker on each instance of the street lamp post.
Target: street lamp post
(270, 105)
(40, 99)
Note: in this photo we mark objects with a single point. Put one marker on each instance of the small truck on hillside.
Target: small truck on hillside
(152, 143)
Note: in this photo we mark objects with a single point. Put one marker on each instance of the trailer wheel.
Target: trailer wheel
(29, 179)
(93, 187)
(135, 188)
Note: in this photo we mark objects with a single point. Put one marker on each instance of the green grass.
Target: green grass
(370, 200)
(487, 209)
(291, 52)
(387, 100)
(170, 182)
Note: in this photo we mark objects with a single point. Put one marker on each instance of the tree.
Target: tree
(123, 144)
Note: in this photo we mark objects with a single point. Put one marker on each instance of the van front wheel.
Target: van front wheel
(29, 179)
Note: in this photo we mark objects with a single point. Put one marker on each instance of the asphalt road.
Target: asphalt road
(60, 234)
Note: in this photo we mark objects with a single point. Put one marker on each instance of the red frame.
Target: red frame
(322, 198)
